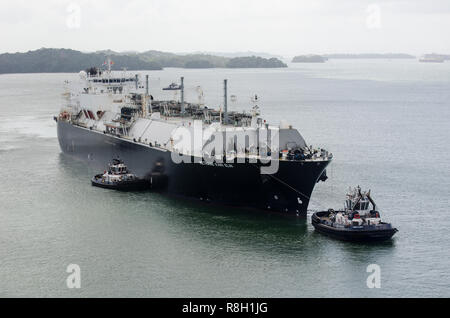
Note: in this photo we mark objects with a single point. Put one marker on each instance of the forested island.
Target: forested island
(47, 60)
(254, 62)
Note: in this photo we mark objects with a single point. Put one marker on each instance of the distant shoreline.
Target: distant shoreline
(370, 56)
(68, 61)
(48, 60)
(315, 58)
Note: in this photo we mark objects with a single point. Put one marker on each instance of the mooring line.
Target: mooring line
(291, 187)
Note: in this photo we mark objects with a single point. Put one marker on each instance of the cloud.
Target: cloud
(285, 27)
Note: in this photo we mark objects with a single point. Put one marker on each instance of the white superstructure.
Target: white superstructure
(118, 104)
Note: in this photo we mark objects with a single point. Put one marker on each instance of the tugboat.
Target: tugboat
(118, 177)
(356, 222)
(172, 87)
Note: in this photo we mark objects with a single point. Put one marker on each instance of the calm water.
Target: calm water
(387, 123)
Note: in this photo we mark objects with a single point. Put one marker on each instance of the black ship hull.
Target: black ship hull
(235, 184)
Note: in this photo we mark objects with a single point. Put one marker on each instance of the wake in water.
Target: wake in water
(35, 126)
(14, 131)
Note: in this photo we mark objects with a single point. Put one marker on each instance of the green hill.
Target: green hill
(184, 61)
(254, 62)
(65, 60)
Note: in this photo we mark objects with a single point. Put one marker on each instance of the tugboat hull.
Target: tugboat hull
(135, 185)
(353, 233)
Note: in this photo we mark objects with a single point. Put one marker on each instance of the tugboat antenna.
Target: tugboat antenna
(371, 201)
(357, 201)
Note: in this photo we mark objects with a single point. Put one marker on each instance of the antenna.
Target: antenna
(182, 96)
(255, 100)
(200, 95)
(255, 108)
(225, 100)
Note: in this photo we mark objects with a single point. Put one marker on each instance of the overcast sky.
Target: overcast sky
(286, 27)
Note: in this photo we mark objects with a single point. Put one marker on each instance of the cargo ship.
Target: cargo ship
(207, 154)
